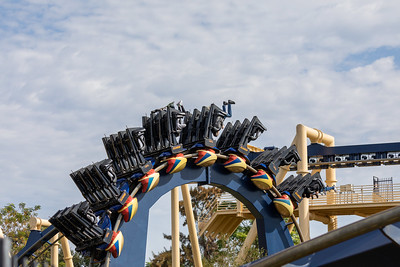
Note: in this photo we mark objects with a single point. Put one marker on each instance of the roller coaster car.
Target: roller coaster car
(162, 129)
(240, 134)
(134, 139)
(201, 126)
(302, 186)
(114, 152)
(79, 224)
(126, 149)
(97, 183)
(188, 134)
(271, 160)
(227, 134)
(216, 118)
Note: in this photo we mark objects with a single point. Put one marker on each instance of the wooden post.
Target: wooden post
(175, 227)
(54, 251)
(251, 236)
(66, 252)
(315, 136)
(187, 203)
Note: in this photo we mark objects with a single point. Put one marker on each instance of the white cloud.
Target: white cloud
(74, 71)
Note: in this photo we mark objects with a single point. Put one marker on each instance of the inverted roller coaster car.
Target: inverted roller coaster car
(97, 183)
(271, 160)
(227, 134)
(294, 189)
(236, 137)
(299, 187)
(163, 128)
(79, 224)
(202, 126)
(126, 151)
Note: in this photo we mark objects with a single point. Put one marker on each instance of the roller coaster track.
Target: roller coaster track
(145, 163)
(225, 213)
(363, 200)
(323, 157)
(156, 163)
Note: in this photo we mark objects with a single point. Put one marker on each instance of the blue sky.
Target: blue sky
(368, 57)
(73, 71)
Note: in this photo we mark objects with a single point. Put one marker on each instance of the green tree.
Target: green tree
(215, 251)
(229, 248)
(14, 221)
(77, 258)
(294, 234)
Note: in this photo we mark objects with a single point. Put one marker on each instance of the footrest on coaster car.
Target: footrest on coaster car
(79, 224)
(129, 209)
(149, 180)
(235, 163)
(284, 205)
(205, 157)
(116, 244)
(263, 180)
(176, 163)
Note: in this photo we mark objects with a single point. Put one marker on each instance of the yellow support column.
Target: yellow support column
(251, 236)
(54, 251)
(187, 203)
(315, 136)
(332, 225)
(281, 174)
(330, 196)
(290, 227)
(36, 224)
(302, 168)
(175, 227)
(66, 252)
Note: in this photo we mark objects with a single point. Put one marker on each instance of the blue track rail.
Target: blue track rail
(323, 157)
(35, 241)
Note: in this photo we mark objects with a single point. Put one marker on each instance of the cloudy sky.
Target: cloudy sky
(72, 71)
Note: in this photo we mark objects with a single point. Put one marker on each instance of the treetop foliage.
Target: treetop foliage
(14, 221)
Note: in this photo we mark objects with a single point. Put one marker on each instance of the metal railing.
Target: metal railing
(208, 210)
(221, 202)
(354, 194)
(227, 202)
(345, 194)
(359, 228)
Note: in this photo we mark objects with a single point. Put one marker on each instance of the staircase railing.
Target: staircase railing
(208, 210)
(345, 194)
(354, 194)
(222, 202)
